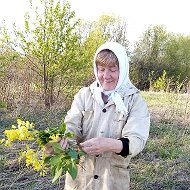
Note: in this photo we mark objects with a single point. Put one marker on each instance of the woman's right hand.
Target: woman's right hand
(49, 146)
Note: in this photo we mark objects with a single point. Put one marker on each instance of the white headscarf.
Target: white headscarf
(123, 81)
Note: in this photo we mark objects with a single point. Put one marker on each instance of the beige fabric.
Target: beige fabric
(87, 120)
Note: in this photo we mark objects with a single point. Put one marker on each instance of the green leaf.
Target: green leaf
(81, 153)
(73, 153)
(57, 148)
(56, 160)
(69, 135)
(62, 128)
(43, 137)
(47, 159)
(58, 174)
(52, 131)
(72, 169)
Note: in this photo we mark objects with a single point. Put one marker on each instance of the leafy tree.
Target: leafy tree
(157, 52)
(178, 59)
(7, 56)
(9, 60)
(50, 44)
(148, 56)
(161, 82)
(112, 29)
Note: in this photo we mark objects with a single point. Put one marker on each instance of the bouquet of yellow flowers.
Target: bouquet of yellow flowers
(59, 162)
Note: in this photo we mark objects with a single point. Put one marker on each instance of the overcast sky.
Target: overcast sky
(140, 14)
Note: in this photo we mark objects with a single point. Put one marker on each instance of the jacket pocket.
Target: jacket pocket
(119, 178)
(119, 121)
(87, 121)
(119, 172)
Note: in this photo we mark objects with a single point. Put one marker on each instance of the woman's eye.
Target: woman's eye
(101, 69)
(113, 70)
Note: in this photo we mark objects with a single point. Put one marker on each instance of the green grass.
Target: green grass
(164, 164)
(3, 104)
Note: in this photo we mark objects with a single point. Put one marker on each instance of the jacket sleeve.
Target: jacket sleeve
(73, 119)
(137, 126)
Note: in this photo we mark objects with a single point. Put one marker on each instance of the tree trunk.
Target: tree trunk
(51, 91)
(46, 92)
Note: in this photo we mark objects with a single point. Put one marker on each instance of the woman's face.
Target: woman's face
(108, 76)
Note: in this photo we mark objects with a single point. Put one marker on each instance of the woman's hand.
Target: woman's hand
(98, 145)
(49, 146)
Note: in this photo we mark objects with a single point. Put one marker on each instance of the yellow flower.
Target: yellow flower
(32, 159)
(2, 141)
(20, 122)
(37, 164)
(13, 127)
(27, 124)
(12, 134)
(29, 157)
(54, 137)
(24, 133)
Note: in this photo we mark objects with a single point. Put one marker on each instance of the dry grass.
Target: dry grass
(163, 165)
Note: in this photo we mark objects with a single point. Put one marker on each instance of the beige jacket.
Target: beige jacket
(87, 119)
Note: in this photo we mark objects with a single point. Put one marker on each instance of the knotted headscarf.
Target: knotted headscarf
(123, 81)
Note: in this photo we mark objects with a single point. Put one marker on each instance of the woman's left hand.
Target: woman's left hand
(98, 145)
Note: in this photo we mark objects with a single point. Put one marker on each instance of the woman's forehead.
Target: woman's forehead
(108, 66)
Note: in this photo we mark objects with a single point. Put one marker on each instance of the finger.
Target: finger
(82, 144)
(86, 144)
(48, 150)
(48, 145)
(59, 139)
(88, 149)
(63, 143)
(93, 153)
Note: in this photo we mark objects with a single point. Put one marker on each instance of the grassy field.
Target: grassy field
(163, 165)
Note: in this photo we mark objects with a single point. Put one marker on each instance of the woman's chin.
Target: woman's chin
(108, 88)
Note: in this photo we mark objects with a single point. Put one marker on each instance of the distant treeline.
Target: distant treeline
(52, 57)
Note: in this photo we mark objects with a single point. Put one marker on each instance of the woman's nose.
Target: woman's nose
(106, 74)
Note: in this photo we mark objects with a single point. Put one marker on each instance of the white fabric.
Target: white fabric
(123, 81)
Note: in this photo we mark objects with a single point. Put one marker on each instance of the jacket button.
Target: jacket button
(104, 110)
(95, 176)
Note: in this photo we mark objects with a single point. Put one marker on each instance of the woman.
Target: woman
(111, 122)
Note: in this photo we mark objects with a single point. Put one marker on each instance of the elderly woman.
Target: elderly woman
(111, 122)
